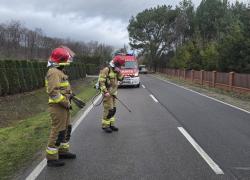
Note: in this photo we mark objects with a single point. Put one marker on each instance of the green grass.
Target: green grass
(19, 143)
(16, 107)
(23, 139)
(86, 94)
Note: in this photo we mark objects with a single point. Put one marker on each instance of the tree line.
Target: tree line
(213, 36)
(20, 43)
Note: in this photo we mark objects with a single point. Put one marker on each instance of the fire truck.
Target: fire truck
(130, 71)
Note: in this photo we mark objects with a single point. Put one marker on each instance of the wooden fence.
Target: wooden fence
(228, 81)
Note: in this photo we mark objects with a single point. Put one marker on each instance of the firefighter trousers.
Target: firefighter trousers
(60, 132)
(109, 110)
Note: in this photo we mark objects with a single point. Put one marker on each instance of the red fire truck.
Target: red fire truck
(130, 71)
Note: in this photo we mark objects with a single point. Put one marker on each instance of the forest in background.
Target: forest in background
(213, 36)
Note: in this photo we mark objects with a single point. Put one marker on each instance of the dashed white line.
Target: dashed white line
(143, 86)
(205, 96)
(203, 154)
(154, 98)
(38, 169)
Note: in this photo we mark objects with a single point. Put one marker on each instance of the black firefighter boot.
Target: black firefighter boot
(67, 155)
(113, 128)
(55, 163)
(107, 129)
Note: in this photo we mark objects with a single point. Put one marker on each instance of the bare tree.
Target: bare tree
(18, 42)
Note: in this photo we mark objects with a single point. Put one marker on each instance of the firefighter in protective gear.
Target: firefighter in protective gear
(59, 91)
(108, 82)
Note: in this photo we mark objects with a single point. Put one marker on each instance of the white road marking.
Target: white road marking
(143, 86)
(205, 96)
(203, 154)
(38, 169)
(85, 113)
(154, 98)
(242, 168)
(35, 173)
(94, 76)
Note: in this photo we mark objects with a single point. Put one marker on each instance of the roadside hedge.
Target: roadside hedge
(4, 83)
(92, 69)
(23, 76)
(12, 76)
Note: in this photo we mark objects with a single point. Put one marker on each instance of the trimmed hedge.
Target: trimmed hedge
(92, 69)
(23, 76)
(39, 78)
(27, 75)
(4, 83)
(12, 76)
(22, 80)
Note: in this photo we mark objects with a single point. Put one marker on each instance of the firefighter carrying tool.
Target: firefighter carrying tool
(108, 84)
(59, 91)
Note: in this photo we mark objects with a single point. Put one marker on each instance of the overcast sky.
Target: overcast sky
(104, 21)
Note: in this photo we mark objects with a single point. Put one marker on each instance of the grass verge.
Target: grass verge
(20, 142)
(238, 99)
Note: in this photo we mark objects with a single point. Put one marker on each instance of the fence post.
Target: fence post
(214, 79)
(192, 75)
(178, 73)
(202, 76)
(184, 76)
(231, 80)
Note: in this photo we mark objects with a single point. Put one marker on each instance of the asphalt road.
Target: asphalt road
(154, 141)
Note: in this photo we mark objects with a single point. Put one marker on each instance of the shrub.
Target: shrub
(12, 76)
(4, 84)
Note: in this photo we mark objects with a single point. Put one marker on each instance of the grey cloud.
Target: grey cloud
(113, 9)
(99, 20)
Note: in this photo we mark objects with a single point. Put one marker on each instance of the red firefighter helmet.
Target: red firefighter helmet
(119, 60)
(60, 56)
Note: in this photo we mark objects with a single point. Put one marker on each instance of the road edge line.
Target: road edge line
(236, 107)
(38, 169)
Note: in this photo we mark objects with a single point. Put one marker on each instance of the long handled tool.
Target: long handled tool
(77, 101)
(115, 98)
(122, 103)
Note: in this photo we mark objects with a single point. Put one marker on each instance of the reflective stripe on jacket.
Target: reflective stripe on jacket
(108, 80)
(57, 85)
